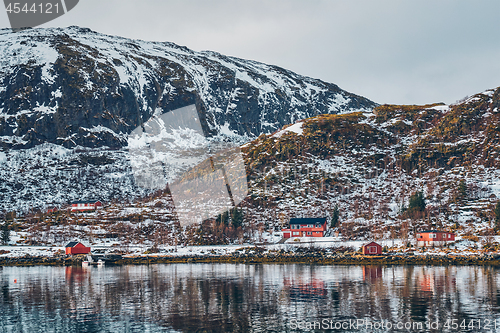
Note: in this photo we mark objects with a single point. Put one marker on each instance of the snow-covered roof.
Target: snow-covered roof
(372, 242)
(85, 202)
(308, 220)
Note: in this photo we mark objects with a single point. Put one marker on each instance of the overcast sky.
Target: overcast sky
(390, 51)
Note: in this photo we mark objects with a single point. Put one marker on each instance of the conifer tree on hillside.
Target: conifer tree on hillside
(223, 218)
(5, 233)
(416, 205)
(335, 217)
(417, 202)
(236, 217)
(497, 216)
(461, 191)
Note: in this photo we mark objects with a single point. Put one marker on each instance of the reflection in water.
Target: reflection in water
(372, 273)
(305, 288)
(239, 298)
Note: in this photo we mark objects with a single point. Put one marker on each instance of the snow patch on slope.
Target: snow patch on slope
(14, 54)
(295, 128)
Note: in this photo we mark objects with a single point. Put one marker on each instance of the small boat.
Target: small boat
(88, 261)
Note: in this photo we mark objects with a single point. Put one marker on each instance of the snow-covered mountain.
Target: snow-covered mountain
(74, 86)
(69, 99)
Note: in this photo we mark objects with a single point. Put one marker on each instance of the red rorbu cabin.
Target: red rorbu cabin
(434, 238)
(77, 248)
(372, 248)
(82, 206)
(305, 227)
(52, 209)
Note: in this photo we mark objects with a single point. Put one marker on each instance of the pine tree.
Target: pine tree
(236, 217)
(497, 215)
(462, 191)
(416, 205)
(335, 216)
(223, 218)
(5, 233)
(416, 202)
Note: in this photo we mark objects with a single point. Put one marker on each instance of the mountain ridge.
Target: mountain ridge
(73, 80)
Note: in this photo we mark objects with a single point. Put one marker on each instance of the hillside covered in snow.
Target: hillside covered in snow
(370, 165)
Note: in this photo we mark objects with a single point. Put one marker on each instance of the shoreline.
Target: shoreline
(316, 259)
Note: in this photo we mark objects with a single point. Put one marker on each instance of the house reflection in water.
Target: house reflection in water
(427, 289)
(76, 273)
(305, 290)
(436, 281)
(427, 283)
(372, 273)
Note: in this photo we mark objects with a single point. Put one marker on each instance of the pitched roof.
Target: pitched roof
(372, 243)
(312, 220)
(85, 202)
(71, 244)
(434, 231)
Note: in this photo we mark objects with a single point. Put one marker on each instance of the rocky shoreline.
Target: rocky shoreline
(269, 258)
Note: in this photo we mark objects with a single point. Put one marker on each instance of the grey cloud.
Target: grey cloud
(391, 51)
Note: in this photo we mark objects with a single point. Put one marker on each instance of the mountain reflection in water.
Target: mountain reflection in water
(240, 298)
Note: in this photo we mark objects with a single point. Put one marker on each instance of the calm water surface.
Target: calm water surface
(249, 298)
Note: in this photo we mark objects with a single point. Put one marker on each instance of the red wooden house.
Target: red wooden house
(306, 227)
(52, 209)
(434, 238)
(77, 248)
(372, 248)
(82, 206)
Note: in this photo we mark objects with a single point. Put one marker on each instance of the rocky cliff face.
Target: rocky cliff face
(75, 87)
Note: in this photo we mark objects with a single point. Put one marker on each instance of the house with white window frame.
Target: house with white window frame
(434, 238)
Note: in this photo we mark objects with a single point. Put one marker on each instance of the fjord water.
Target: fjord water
(248, 298)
